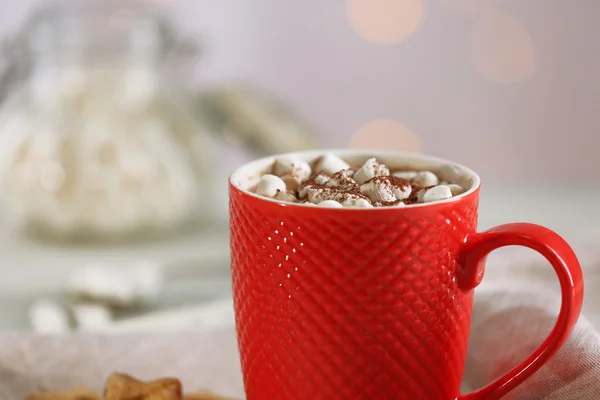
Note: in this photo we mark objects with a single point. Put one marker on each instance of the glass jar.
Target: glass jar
(99, 138)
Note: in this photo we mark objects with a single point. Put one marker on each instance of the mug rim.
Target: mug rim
(258, 166)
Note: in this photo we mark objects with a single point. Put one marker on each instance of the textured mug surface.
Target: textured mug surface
(357, 304)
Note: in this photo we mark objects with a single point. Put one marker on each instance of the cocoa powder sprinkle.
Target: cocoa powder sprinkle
(393, 180)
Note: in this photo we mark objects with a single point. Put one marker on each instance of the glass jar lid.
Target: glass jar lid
(101, 29)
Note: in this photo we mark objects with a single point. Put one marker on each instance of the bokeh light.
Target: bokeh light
(501, 49)
(385, 21)
(469, 8)
(385, 134)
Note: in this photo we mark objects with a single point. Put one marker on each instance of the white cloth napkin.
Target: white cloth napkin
(201, 360)
(515, 308)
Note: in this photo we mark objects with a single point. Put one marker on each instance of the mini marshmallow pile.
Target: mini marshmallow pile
(104, 152)
(330, 181)
(94, 292)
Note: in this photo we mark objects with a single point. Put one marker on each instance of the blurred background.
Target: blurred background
(120, 121)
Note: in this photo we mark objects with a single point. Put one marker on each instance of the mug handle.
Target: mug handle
(565, 263)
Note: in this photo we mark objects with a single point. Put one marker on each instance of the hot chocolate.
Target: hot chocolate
(330, 181)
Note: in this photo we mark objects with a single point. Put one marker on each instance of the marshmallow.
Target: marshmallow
(285, 196)
(386, 189)
(321, 179)
(318, 180)
(104, 283)
(425, 179)
(330, 204)
(117, 285)
(401, 191)
(303, 192)
(341, 179)
(377, 191)
(317, 195)
(269, 185)
(436, 193)
(49, 317)
(72, 84)
(354, 200)
(450, 173)
(288, 166)
(91, 316)
(329, 163)
(398, 204)
(149, 280)
(140, 87)
(291, 182)
(455, 189)
(408, 175)
(370, 169)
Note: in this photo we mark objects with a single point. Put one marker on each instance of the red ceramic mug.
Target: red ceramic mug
(352, 304)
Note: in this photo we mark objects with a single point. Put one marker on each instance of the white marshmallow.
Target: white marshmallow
(399, 204)
(303, 192)
(288, 166)
(72, 83)
(330, 204)
(401, 192)
(285, 196)
(450, 173)
(102, 283)
(329, 163)
(149, 280)
(341, 179)
(355, 201)
(408, 175)
(455, 189)
(269, 185)
(291, 182)
(317, 195)
(140, 87)
(377, 191)
(436, 193)
(117, 285)
(49, 317)
(282, 166)
(425, 179)
(91, 316)
(381, 188)
(321, 179)
(370, 169)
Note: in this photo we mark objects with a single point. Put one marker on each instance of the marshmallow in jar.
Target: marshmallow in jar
(86, 149)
